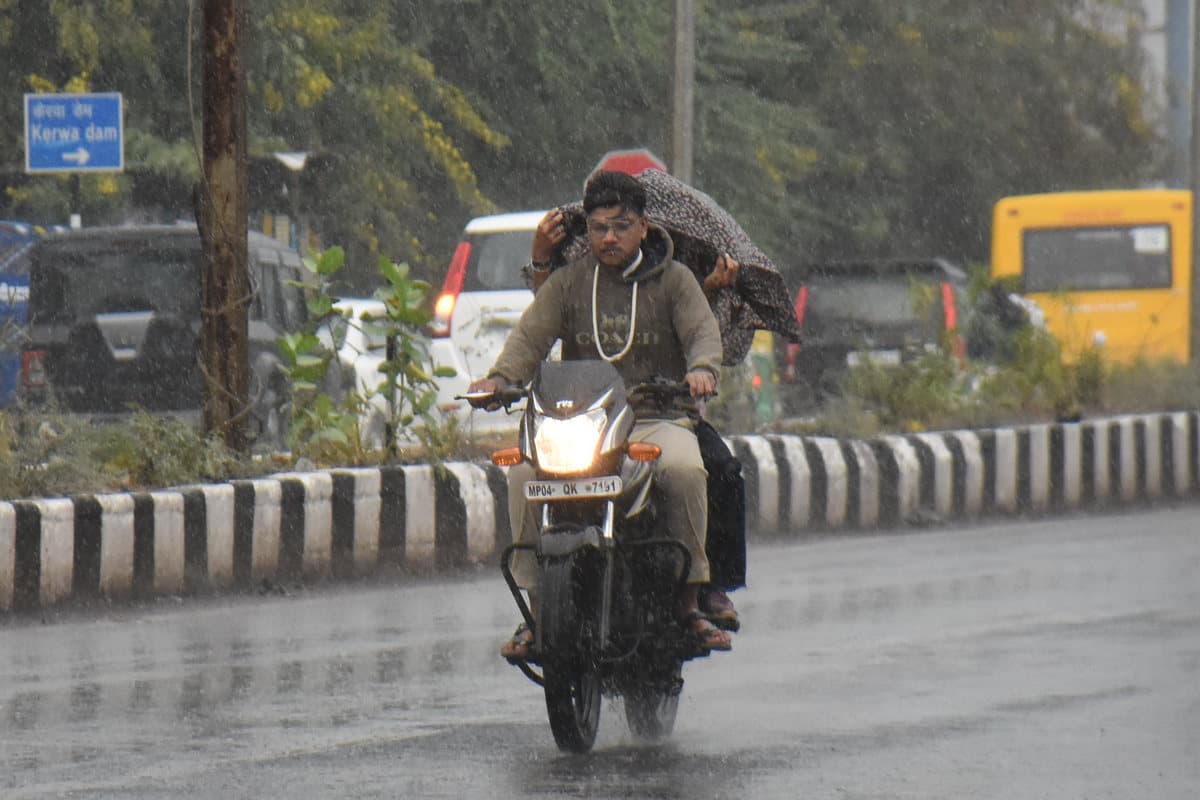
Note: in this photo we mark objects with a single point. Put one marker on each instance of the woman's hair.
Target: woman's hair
(609, 189)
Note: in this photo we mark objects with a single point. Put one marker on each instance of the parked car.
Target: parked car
(889, 311)
(115, 322)
(360, 345)
(481, 300)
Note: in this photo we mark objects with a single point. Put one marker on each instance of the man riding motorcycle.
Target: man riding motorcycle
(630, 303)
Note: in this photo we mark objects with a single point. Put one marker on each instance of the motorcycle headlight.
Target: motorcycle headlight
(568, 445)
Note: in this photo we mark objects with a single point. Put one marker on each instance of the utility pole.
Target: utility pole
(1177, 31)
(222, 211)
(683, 95)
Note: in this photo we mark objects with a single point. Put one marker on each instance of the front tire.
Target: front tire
(566, 626)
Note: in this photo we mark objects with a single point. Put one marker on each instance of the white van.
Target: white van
(481, 300)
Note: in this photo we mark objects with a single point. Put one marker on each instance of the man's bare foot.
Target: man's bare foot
(708, 635)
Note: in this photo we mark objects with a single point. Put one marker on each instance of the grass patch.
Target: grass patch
(940, 392)
(56, 455)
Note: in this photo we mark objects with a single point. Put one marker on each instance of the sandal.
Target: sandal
(719, 609)
(707, 635)
(519, 647)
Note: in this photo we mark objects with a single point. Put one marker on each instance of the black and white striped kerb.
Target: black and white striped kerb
(314, 526)
(308, 526)
(796, 484)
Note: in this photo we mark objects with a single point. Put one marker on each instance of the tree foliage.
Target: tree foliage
(876, 128)
(863, 127)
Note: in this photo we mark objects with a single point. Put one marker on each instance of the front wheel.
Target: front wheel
(566, 628)
(573, 706)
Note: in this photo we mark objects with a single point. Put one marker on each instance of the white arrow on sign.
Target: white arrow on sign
(81, 156)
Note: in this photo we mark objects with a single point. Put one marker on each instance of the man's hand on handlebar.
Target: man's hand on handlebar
(487, 386)
(491, 394)
(702, 383)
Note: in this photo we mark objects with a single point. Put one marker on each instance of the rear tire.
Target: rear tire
(650, 709)
(567, 613)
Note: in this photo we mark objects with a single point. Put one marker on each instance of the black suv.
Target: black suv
(115, 323)
(889, 311)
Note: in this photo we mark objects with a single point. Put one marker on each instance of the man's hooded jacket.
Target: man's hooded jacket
(674, 330)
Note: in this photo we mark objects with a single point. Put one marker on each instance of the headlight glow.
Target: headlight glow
(568, 445)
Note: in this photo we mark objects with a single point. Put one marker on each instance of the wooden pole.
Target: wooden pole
(1194, 183)
(223, 225)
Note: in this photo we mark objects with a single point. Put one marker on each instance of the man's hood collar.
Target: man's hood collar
(657, 252)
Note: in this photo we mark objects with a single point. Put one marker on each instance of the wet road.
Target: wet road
(1027, 660)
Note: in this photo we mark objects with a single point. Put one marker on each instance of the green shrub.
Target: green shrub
(938, 392)
(327, 430)
(910, 395)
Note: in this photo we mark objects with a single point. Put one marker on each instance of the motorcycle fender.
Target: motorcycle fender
(555, 544)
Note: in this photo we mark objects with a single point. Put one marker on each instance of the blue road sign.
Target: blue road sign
(74, 133)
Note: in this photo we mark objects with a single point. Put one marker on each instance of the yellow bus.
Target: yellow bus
(1109, 269)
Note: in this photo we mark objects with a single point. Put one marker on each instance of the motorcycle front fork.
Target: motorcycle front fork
(608, 543)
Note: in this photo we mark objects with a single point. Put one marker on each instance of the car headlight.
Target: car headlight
(568, 445)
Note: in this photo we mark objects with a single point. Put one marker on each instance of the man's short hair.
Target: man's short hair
(608, 189)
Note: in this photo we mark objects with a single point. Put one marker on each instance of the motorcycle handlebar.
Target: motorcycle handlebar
(508, 395)
(664, 390)
(504, 396)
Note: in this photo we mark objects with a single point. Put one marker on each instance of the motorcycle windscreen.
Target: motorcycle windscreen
(566, 388)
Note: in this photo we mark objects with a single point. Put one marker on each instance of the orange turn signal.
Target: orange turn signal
(508, 457)
(643, 451)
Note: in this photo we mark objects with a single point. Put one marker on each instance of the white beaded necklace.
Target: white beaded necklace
(596, 327)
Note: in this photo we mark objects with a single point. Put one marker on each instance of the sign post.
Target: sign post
(74, 133)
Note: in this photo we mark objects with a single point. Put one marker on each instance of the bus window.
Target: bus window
(1092, 259)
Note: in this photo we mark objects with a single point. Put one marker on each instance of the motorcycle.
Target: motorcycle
(608, 576)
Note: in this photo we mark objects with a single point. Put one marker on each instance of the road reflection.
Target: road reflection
(207, 672)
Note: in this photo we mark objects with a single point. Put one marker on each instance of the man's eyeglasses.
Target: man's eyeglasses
(618, 226)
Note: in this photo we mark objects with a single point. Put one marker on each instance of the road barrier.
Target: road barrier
(340, 523)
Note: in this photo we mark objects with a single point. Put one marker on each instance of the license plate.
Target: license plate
(857, 357)
(604, 486)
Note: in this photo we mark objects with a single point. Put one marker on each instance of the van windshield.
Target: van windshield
(496, 260)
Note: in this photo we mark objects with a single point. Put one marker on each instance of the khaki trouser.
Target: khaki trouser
(678, 475)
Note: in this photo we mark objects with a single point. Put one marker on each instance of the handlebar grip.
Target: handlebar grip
(505, 396)
(510, 394)
(665, 391)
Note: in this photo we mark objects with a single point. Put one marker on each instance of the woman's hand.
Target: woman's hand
(723, 274)
(549, 234)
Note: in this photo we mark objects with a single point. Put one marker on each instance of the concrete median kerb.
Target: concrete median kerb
(340, 523)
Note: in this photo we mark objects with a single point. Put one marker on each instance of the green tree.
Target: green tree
(877, 128)
(339, 78)
(564, 83)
